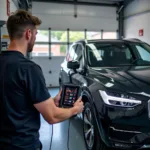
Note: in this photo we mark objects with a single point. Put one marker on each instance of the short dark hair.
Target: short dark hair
(19, 21)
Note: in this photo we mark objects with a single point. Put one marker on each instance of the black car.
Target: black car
(114, 76)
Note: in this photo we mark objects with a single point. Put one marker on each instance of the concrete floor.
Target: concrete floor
(60, 140)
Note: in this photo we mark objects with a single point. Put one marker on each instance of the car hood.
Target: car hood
(134, 79)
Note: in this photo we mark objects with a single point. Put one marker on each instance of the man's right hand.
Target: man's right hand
(53, 114)
(78, 106)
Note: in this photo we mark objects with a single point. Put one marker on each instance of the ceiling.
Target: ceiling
(85, 2)
(26, 4)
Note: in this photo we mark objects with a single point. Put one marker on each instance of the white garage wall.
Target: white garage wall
(3, 9)
(61, 16)
(137, 16)
(50, 68)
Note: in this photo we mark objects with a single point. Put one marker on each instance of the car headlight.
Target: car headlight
(119, 99)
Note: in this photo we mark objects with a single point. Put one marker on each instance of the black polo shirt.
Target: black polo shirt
(21, 85)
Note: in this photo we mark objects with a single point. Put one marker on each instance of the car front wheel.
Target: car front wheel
(91, 135)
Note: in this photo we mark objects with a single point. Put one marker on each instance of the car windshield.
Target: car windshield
(117, 54)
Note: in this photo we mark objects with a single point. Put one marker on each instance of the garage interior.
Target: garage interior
(63, 22)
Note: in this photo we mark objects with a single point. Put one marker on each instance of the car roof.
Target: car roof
(116, 40)
(132, 40)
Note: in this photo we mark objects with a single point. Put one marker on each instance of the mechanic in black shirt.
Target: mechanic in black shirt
(23, 92)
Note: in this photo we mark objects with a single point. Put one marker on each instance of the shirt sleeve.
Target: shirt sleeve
(36, 86)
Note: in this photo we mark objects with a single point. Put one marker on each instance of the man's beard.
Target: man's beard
(30, 47)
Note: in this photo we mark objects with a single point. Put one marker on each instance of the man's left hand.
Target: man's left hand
(57, 98)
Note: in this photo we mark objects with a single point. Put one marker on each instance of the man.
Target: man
(23, 94)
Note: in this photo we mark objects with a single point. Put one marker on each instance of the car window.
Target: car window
(79, 58)
(71, 54)
(142, 51)
(101, 54)
(128, 53)
(145, 55)
(78, 52)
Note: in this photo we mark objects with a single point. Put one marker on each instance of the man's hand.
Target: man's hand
(78, 105)
(53, 114)
(57, 98)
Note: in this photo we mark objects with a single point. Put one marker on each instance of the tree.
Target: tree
(73, 36)
(63, 49)
(57, 34)
(62, 37)
(43, 32)
(54, 34)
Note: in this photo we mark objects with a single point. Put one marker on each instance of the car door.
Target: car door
(65, 71)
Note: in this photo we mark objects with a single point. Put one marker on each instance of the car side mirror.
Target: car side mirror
(73, 65)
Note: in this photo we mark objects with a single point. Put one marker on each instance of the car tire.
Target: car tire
(90, 132)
